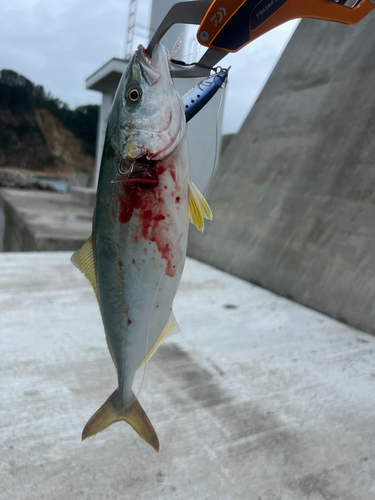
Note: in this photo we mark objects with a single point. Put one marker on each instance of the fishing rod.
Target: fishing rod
(229, 25)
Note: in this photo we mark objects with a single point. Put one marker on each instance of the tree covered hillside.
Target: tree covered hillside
(37, 130)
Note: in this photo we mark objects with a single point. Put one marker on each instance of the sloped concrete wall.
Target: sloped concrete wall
(294, 197)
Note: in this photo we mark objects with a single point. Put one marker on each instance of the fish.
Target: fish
(135, 256)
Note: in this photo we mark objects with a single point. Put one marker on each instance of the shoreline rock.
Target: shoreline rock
(20, 180)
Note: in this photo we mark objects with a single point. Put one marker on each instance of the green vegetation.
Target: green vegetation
(17, 93)
(4, 142)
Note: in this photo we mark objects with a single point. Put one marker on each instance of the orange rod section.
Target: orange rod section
(293, 9)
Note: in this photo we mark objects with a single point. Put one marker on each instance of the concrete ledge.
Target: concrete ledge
(42, 221)
(82, 179)
(84, 196)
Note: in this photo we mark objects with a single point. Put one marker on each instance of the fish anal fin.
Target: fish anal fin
(83, 259)
(198, 208)
(133, 413)
(170, 328)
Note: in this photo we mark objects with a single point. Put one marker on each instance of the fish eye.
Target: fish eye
(134, 94)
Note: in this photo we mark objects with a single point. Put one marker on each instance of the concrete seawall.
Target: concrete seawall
(33, 220)
(293, 199)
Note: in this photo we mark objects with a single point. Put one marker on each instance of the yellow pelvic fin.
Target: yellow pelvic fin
(170, 328)
(133, 414)
(198, 208)
(83, 259)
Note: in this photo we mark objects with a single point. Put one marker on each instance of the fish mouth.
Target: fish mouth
(140, 170)
(149, 71)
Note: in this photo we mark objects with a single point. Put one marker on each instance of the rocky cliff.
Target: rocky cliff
(38, 132)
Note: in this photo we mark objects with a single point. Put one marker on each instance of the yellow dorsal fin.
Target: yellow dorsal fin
(170, 328)
(198, 208)
(83, 259)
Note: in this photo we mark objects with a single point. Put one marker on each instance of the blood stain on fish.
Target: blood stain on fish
(173, 174)
(148, 205)
(171, 269)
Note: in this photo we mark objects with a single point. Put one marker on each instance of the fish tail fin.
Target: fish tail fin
(111, 412)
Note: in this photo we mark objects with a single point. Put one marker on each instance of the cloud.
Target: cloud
(59, 44)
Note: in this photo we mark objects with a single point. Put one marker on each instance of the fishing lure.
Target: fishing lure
(203, 92)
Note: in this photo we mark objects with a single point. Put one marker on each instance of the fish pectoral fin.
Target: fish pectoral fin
(83, 259)
(170, 328)
(198, 208)
(133, 413)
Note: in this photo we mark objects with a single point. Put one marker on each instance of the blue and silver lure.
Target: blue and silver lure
(202, 93)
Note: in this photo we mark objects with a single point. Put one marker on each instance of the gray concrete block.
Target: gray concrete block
(294, 199)
(82, 179)
(42, 221)
(84, 196)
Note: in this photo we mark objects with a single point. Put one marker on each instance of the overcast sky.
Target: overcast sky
(59, 43)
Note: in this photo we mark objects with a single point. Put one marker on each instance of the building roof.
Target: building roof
(107, 77)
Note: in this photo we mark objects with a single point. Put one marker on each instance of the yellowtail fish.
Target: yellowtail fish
(135, 256)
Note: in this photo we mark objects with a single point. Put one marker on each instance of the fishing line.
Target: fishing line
(191, 52)
(147, 350)
(142, 375)
(222, 90)
(192, 47)
(174, 246)
(143, 365)
(185, 64)
(176, 47)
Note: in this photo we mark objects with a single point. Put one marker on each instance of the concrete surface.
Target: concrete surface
(294, 199)
(225, 141)
(85, 196)
(42, 221)
(79, 179)
(258, 398)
